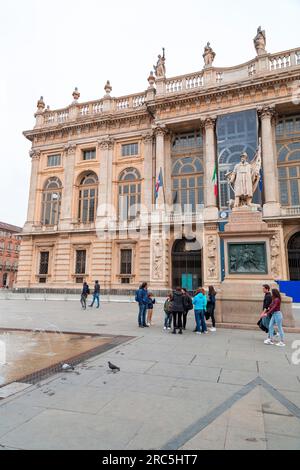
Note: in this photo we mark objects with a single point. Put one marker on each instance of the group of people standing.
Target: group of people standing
(176, 309)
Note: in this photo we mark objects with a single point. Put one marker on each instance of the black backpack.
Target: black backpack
(187, 302)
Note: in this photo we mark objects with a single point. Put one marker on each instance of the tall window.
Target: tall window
(44, 267)
(129, 194)
(288, 149)
(51, 202)
(187, 182)
(80, 265)
(88, 196)
(44, 263)
(236, 133)
(126, 261)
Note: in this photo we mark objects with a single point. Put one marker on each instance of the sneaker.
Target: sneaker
(180, 332)
(165, 328)
(198, 333)
(169, 328)
(268, 341)
(280, 345)
(174, 332)
(204, 332)
(212, 330)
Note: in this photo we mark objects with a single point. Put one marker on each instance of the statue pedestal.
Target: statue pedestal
(248, 265)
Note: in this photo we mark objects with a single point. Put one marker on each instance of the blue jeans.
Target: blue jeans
(142, 314)
(276, 319)
(200, 321)
(168, 320)
(96, 297)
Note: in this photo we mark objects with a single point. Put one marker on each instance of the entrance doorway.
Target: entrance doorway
(187, 264)
(294, 257)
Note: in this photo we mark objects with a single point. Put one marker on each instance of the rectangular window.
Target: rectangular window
(80, 262)
(126, 261)
(44, 263)
(54, 160)
(89, 154)
(130, 150)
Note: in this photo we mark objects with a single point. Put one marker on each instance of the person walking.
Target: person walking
(211, 306)
(150, 307)
(168, 312)
(141, 297)
(188, 305)
(274, 311)
(96, 295)
(264, 320)
(200, 303)
(177, 310)
(84, 295)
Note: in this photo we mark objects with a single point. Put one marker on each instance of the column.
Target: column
(66, 217)
(105, 192)
(210, 159)
(148, 171)
(271, 207)
(160, 132)
(35, 161)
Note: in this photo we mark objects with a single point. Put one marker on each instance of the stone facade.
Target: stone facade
(10, 241)
(92, 159)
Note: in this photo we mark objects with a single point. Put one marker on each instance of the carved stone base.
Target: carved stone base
(241, 302)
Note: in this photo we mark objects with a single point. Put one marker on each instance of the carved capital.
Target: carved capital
(35, 154)
(106, 144)
(267, 112)
(70, 149)
(147, 138)
(160, 130)
(209, 123)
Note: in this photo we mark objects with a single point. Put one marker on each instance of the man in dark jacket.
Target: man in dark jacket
(177, 310)
(96, 296)
(84, 295)
(141, 298)
(265, 320)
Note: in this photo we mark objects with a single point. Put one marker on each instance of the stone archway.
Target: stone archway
(187, 264)
(294, 257)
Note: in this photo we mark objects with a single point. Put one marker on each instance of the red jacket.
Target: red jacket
(274, 307)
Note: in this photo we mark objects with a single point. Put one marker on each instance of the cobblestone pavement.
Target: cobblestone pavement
(224, 390)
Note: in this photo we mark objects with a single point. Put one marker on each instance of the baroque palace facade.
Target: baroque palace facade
(109, 153)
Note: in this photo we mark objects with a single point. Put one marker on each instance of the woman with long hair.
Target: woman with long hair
(274, 312)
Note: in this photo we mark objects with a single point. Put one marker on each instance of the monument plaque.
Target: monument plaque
(247, 258)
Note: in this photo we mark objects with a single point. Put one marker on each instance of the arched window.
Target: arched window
(88, 197)
(129, 194)
(294, 257)
(51, 201)
(187, 182)
(288, 152)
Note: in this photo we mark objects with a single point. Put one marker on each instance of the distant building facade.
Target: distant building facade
(10, 242)
(182, 136)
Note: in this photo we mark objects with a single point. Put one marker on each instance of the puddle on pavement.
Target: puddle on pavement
(23, 353)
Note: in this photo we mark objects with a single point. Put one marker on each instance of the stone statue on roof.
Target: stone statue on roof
(160, 67)
(209, 55)
(260, 41)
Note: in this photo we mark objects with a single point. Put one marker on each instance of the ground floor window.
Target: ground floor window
(80, 266)
(44, 267)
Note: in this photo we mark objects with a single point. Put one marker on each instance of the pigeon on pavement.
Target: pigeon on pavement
(113, 367)
(67, 367)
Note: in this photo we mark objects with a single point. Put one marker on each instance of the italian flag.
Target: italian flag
(215, 181)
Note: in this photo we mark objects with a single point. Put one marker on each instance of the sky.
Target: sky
(49, 47)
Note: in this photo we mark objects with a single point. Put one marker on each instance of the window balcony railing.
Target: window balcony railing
(290, 211)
